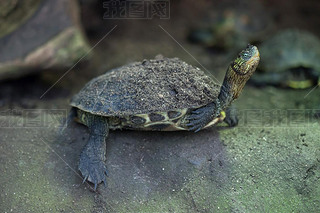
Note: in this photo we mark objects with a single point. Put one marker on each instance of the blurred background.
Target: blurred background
(50, 49)
(91, 38)
(36, 51)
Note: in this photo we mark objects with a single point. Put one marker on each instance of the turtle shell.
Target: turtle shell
(157, 85)
(290, 48)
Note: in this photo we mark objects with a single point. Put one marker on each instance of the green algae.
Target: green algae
(269, 168)
(73, 46)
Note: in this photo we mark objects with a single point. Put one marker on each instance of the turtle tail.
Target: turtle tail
(72, 114)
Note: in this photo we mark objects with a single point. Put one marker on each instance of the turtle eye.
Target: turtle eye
(245, 55)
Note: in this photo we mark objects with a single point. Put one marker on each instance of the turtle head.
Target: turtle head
(246, 62)
(239, 72)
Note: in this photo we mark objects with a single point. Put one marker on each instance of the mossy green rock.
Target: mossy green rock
(13, 13)
(32, 42)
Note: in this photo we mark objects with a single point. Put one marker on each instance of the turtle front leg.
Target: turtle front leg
(231, 117)
(93, 156)
(200, 117)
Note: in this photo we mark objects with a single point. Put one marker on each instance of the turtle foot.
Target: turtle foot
(199, 118)
(93, 170)
(231, 117)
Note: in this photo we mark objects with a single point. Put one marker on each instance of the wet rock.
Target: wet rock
(39, 35)
(148, 169)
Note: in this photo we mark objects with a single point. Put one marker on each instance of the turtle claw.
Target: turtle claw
(231, 117)
(93, 170)
(104, 182)
(200, 117)
(195, 125)
(231, 121)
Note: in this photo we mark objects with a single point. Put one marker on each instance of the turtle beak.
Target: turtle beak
(250, 64)
(255, 57)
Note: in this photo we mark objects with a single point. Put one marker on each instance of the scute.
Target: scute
(160, 84)
(156, 117)
(173, 114)
(137, 120)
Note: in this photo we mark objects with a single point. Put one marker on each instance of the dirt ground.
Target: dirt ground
(270, 162)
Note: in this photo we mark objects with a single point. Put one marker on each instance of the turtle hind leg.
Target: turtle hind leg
(92, 161)
(93, 156)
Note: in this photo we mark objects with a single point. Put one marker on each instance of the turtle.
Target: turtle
(231, 24)
(161, 94)
(290, 58)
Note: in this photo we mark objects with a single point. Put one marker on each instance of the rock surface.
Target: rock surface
(269, 163)
(50, 37)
